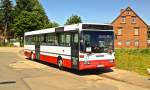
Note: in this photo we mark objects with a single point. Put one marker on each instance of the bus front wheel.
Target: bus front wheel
(60, 64)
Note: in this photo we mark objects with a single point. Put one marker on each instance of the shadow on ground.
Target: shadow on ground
(77, 72)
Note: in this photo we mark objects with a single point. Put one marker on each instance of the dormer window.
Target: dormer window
(123, 20)
(128, 12)
(133, 20)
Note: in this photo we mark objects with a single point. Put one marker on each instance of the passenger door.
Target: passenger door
(37, 48)
(75, 50)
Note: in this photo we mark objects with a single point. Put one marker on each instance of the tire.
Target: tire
(60, 64)
(32, 56)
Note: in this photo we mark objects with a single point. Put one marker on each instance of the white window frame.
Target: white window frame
(123, 19)
(127, 42)
(119, 31)
(136, 31)
(133, 20)
(119, 42)
(136, 43)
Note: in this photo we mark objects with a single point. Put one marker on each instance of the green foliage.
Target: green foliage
(30, 15)
(74, 19)
(26, 21)
(52, 24)
(137, 60)
(1, 19)
(24, 5)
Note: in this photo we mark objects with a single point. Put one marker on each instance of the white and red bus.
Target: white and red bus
(79, 46)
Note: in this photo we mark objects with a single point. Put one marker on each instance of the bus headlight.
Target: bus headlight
(110, 51)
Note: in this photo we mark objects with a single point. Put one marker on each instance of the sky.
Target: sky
(94, 11)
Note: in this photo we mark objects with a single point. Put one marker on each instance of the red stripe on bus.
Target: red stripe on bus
(51, 59)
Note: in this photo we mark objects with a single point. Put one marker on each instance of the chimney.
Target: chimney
(121, 10)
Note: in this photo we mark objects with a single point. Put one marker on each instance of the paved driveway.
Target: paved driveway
(17, 73)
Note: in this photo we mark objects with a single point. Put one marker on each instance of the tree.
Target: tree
(38, 9)
(6, 17)
(52, 24)
(24, 5)
(26, 21)
(32, 6)
(74, 19)
(30, 15)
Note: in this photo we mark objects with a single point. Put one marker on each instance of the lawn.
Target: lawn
(137, 60)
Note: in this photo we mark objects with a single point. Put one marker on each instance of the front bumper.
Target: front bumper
(95, 64)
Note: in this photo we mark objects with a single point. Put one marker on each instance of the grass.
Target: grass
(137, 60)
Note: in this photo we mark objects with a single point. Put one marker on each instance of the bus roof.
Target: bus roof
(79, 26)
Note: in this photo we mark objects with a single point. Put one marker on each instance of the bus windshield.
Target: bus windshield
(96, 41)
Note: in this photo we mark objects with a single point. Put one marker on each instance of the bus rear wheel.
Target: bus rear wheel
(60, 64)
(32, 56)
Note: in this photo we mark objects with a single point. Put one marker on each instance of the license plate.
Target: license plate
(100, 65)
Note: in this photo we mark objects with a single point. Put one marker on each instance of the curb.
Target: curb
(143, 82)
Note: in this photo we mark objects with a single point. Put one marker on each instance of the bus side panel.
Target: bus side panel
(50, 54)
(48, 58)
(53, 60)
(67, 63)
(28, 50)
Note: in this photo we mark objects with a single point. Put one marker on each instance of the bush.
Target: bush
(137, 60)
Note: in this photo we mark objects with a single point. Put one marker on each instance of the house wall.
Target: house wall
(128, 30)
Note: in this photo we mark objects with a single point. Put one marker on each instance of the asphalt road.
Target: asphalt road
(17, 73)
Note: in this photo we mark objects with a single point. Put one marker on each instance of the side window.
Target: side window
(41, 38)
(64, 39)
(76, 38)
(61, 39)
(51, 39)
(26, 40)
(68, 38)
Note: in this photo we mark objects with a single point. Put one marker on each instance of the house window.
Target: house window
(123, 20)
(128, 12)
(136, 31)
(136, 43)
(128, 43)
(133, 20)
(119, 42)
(119, 31)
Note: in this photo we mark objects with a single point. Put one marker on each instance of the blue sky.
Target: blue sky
(94, 11)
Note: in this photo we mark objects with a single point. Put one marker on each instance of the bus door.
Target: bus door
(37, 48)
(74, 50)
